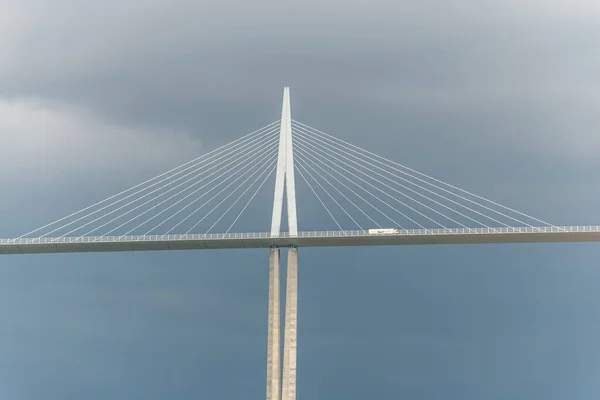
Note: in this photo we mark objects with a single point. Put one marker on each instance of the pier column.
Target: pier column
(274, 334)
(290, 343)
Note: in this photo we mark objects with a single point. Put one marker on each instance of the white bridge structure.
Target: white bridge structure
(369, 199)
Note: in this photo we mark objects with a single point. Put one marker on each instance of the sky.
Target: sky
(499, 98)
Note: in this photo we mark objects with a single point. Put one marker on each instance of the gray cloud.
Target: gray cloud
(522, 71)
(44, 142)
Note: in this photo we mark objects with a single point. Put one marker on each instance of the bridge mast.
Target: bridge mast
(284, 180)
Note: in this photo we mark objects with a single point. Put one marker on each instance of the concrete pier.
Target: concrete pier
(274, 334)
(290, 344)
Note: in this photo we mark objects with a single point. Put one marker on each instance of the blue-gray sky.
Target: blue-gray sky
(499, 98)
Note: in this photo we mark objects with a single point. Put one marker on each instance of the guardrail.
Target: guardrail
(267, 235)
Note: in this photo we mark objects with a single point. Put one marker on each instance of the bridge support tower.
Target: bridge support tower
(281, 384)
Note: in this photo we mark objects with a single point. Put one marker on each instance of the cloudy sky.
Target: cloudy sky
(498, 97)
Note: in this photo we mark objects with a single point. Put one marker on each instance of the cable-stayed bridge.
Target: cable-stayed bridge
(364, 200)
(254, 240)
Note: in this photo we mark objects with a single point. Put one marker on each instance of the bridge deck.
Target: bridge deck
(303, 239)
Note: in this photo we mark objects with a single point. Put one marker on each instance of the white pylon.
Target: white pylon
(285, 172)
(284, 180)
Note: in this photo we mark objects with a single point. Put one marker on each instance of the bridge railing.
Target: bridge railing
(308, 234)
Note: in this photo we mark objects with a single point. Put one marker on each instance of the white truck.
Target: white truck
(382, 231)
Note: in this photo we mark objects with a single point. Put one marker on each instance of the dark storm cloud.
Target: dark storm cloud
(505, 71)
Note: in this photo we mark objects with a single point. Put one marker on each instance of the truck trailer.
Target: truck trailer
(382, 231)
